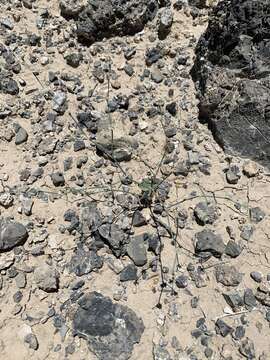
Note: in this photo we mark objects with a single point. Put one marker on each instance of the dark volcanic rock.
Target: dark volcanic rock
(205, 213)
(136, 250)
(113, 236)
(232, 76)
(129, 273)
(234, 300)
(222, 328)
(111, 330)
(107, 18)
(12, 234)
(83, 262)
(208, 243)
(9, 86)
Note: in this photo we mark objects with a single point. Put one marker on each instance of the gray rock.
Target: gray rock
(129, 273)
(256, 214)
(256, 276)
(73, 59)
(247, 349)
(111, 330)
(223, 73)
(233, 249)
(208, 352)
(205, 213)
(21, 280)
(136, 250)
(9, 86)
(27, 204)
(165, 22)
(129, 69)
(84, 261)
(228, 275)
(70, 8)
(247, 231)
(58, 179)
(112, 235)
(138, 219)
(59, 101)
(181, 281)
(32, 341)
(208, 243)
(6, 199)
(46, 278)
(239, 333)
(8, 23)
(233, 174)
(249, 299)
(156, 76)
(234, 300)
(78, 145)
(12, 234)
(21, 136)
(107, 18)
(222, 328)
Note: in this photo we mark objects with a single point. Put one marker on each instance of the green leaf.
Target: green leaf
(146, 185)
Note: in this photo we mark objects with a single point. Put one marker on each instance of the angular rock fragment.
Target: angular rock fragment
(234, 300)
(228, 275)
(136, 250)
(249, 299)
(208, 243)
(129, 273)
(231, 72)
(256, 214)
(83, 262)
(205, 213)
(113, 236)
(107, 18)
(222, 328)
(233, 249)
(111, 330)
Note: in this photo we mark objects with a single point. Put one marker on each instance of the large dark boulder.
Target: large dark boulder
(232, 75)
(111, 330)
(107, 18)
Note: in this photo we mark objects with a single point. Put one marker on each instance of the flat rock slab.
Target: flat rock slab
(231, 72)
(111, 330)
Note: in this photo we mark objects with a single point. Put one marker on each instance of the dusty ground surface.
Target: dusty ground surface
(169, 327)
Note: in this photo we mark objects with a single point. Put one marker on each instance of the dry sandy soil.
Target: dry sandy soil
(169, 328)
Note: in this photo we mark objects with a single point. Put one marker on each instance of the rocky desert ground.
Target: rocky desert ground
(135, 179)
